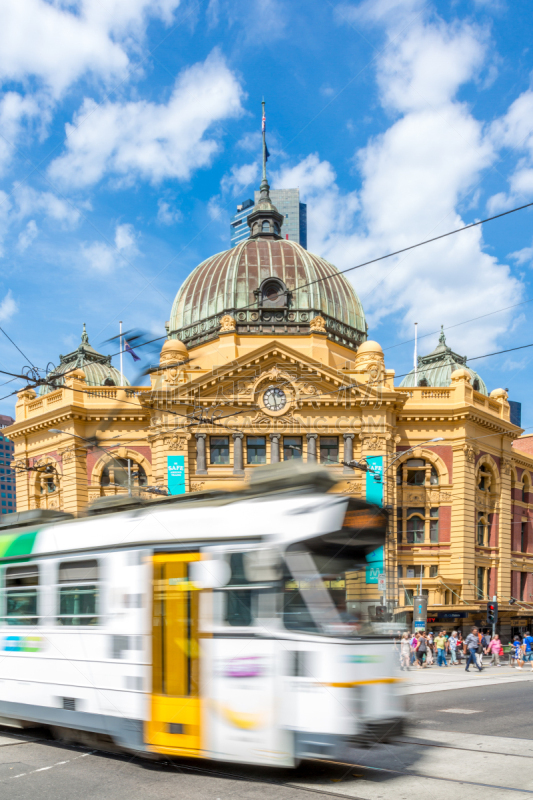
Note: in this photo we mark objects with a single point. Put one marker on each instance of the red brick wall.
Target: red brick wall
(445, 452)
(494, 522)
(516, 531)
(445, 517)
(515, 584)
(493, 581)
(524, 444)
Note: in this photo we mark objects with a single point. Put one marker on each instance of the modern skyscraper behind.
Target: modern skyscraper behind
(8, 492)
(239, 227)
(287, 201)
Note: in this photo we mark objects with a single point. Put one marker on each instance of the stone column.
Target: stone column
(311, 446)
(348, 451)
(201, 468)
(274, 447)
(238, 463)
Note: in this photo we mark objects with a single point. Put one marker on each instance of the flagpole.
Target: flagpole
(263, 126)
(121, 349)
(416, 354)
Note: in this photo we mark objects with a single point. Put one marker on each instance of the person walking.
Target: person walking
(460, 645)
(440, 644)
(518, 652)
(405, 652)
(414, 645)
(480, 647)
(494, 648)
(471, 644)
(452, 647)
(430, 649)
(421, 650)
(528, 649)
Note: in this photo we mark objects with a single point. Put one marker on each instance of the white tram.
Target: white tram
(217, 626)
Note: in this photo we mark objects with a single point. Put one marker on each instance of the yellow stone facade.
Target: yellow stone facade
(266, 360)
(474, 475)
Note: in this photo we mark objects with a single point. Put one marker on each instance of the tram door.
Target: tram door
(174, 726)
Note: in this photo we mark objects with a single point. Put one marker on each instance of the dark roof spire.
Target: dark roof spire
(84, 335)
(265, 221)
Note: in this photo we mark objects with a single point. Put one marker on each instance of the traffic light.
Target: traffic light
(381, 612)
(492, 613)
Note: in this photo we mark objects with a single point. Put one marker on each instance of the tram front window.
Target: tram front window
(328, 595)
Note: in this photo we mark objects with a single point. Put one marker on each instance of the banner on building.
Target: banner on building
(374, 480)
(176, 474)
(374, 566)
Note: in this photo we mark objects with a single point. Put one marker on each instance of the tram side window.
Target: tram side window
(240, 600)
(78, 592)
(21, 595)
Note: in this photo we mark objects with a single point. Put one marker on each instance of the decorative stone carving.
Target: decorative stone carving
(318, 325)
(352, 487)
(506, 466)
(227, 324)
(418, 498)
(446, 496)
(470, 453)
(69, 454)
(175, 442)
(197, 486)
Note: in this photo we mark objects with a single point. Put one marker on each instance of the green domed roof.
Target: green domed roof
(97, 368)
(436, 368)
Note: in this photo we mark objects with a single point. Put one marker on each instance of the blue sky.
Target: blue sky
(129, 130)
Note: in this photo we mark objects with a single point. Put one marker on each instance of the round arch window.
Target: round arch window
(115, 473)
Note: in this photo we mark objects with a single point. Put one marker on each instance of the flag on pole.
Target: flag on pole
(267, 154)
(263, 123)
(131, 351)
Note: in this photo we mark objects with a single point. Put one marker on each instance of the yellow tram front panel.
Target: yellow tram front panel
(174, 726)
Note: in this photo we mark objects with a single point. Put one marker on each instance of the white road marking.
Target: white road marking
(459, 711)
(58, 764)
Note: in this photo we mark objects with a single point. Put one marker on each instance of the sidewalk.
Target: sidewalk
(440, 679)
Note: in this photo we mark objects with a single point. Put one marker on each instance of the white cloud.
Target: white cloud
(30, 201)
(59, 42)
(103, 258)
(154, 141)
(166, 215)
(415, 176)
(523, 256)
(8, 307)
(514, 130)
(241, 178)
(27, 236)
(14, 109)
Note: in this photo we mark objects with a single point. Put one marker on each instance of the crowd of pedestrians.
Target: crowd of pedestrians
(421, 649)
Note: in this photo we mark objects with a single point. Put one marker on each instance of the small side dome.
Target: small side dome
(461, 375)
(499, 394)
(369, 347)
(173, 350)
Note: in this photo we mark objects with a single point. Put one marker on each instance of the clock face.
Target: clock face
(274, 399)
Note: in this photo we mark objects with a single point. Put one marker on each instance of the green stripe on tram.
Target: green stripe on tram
(17, 544)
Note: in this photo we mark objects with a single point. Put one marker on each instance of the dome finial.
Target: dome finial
(442, 338)
(84, 336)
(265, 221)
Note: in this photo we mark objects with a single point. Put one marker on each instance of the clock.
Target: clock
(274, 399)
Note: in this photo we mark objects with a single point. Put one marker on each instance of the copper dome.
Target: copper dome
(230, 283)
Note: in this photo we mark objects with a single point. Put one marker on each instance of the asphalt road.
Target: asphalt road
(486, 766)
(505, 710)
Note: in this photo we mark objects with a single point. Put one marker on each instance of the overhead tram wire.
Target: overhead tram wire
(364, 264)
(342, 272)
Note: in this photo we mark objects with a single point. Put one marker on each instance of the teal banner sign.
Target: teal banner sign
(374, 565)
(374, 480)
(176, 474)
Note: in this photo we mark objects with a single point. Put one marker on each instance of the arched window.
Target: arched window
(525, 489)
(423, 382)
(484, 479)
(276, 228)
(415, 525)
(414, 472)
(481, 529)
(266, 226)
(115, 473)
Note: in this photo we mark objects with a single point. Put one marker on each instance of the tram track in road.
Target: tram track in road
(374, 779)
